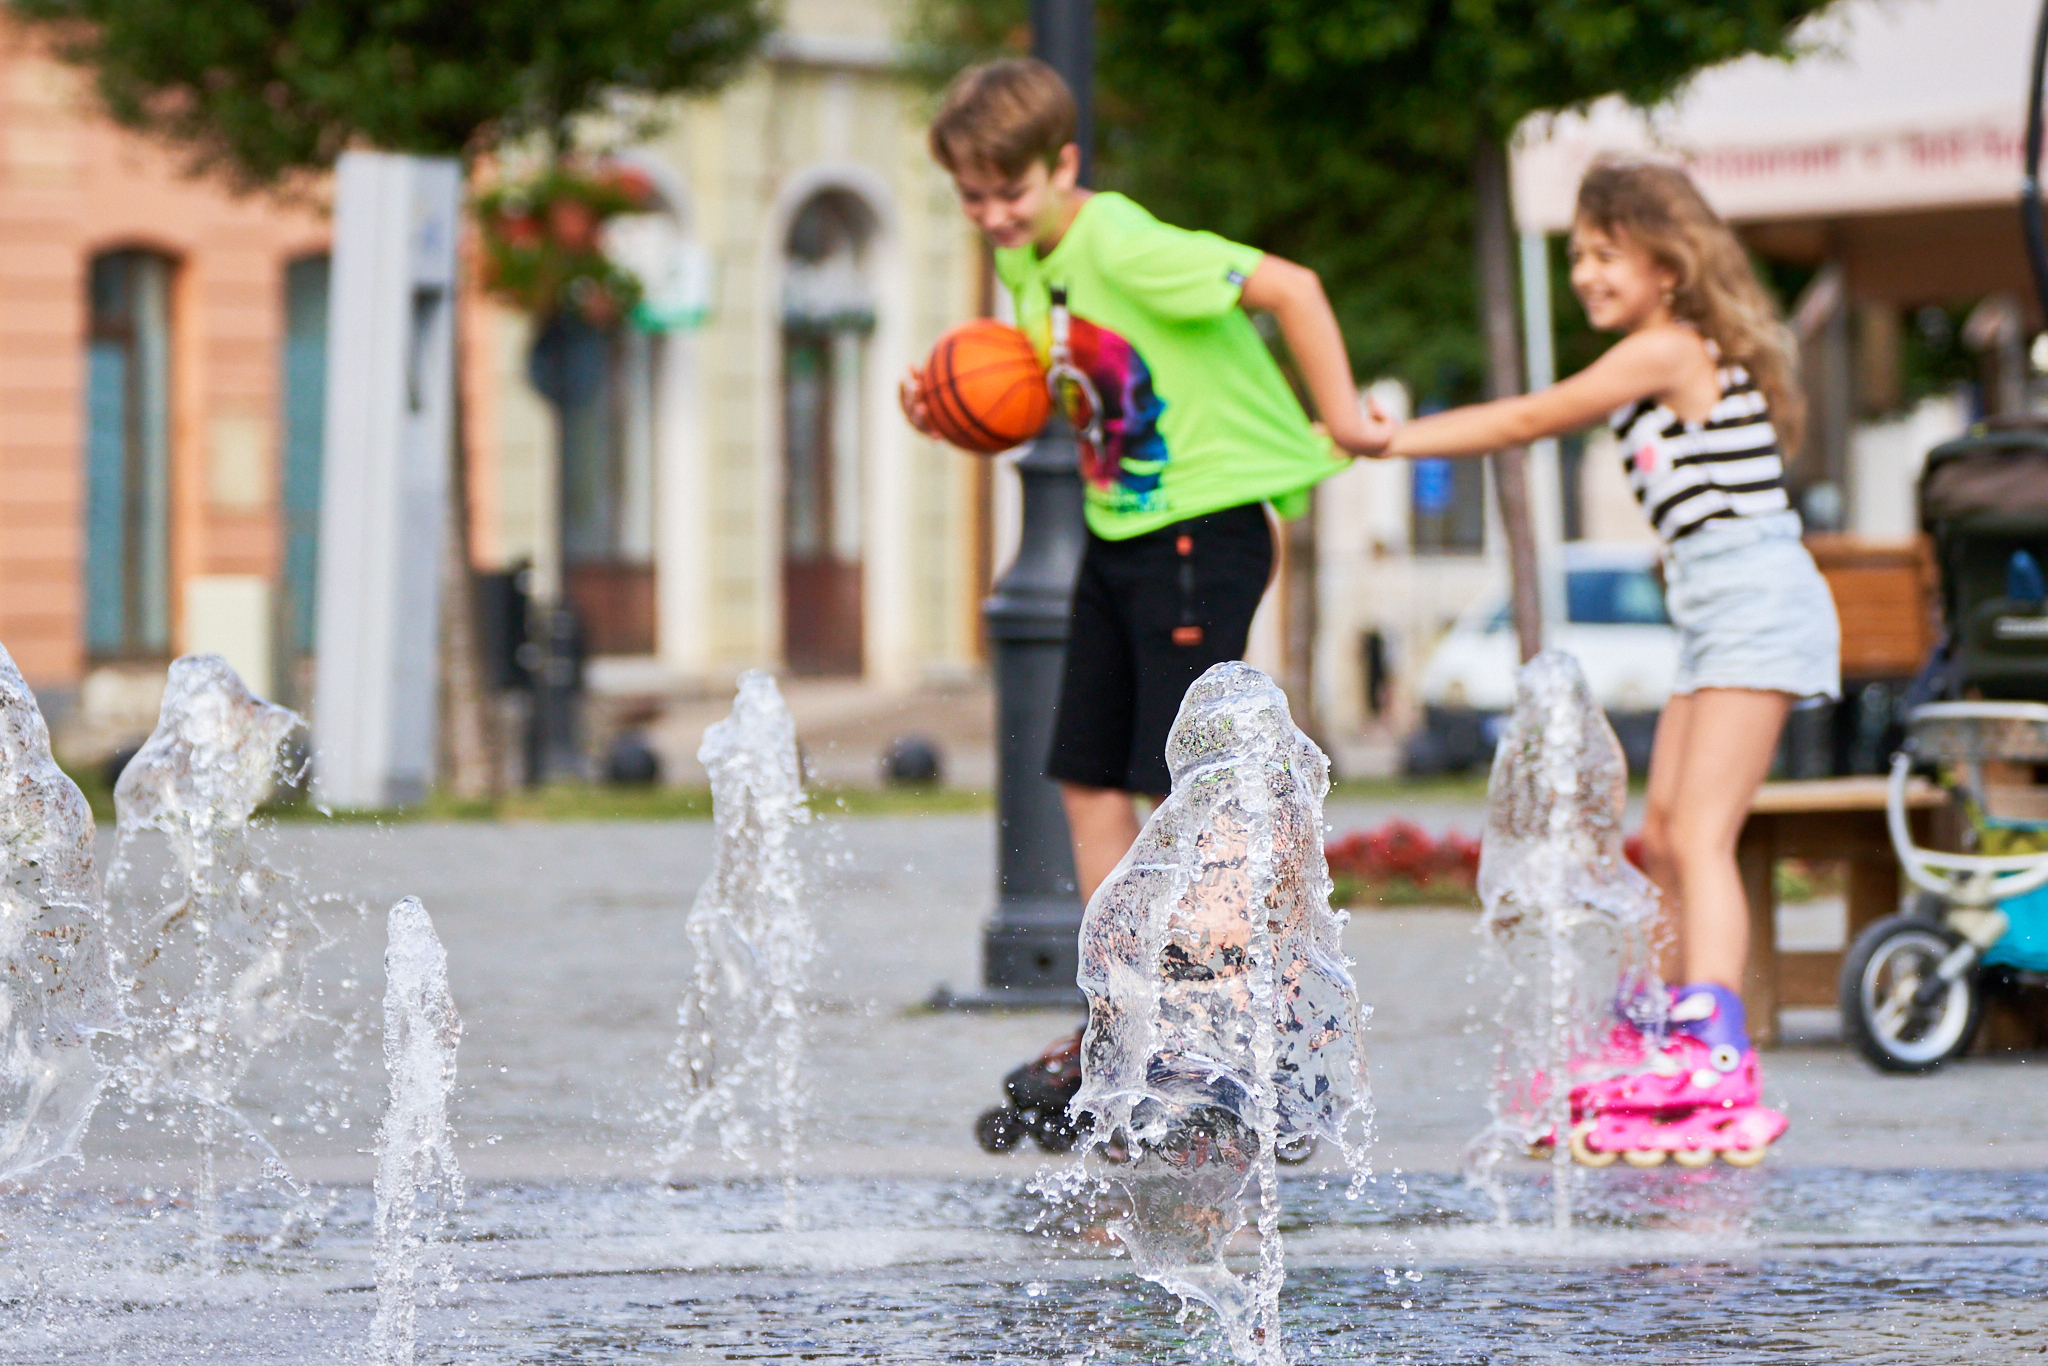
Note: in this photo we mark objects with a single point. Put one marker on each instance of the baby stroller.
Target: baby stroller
(1913, 986)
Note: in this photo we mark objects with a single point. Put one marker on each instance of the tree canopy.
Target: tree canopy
(1342, 133)
(260, 89)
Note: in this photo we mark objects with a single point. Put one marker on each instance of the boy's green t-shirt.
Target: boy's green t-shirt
(1196, 416)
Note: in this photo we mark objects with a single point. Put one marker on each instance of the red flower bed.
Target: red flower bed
(1403, 851)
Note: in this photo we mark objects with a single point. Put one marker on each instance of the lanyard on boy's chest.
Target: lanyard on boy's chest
(1072, 390)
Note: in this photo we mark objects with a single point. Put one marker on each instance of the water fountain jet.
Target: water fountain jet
(217, 976)
(415, 1148)
(1223, 1023)
(740, 1055)
(1568, 920)
(57, 986)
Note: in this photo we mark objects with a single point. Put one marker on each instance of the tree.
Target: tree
(1366, 138)
(261, 90)
(262, 93)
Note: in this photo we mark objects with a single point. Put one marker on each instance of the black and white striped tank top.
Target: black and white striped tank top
(1688, 474)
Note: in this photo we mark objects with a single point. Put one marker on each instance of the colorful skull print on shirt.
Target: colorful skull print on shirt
(1195, 416)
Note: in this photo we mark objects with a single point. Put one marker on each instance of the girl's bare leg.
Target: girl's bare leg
(1712, 752)
(1667, 759)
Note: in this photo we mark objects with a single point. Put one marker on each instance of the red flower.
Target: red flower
(632, 184)
(572, 224)
(521, 231)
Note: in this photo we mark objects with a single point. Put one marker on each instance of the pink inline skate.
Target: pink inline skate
(1692, 1098)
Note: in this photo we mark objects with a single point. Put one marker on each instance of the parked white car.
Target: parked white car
(1616, 626)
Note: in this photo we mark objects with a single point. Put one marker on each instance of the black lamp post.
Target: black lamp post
(1030, 946)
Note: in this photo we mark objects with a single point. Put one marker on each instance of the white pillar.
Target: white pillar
(384, 482)
(682, 524)
(1546, 484)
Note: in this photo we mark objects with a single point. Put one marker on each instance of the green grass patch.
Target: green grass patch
(595, 802)
(1398, 893)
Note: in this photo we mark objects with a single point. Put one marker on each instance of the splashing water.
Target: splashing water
(218, 974)
(741, 1050)
(56, 978)
(1220, 1035)
(415, 1149)
(1568, 919)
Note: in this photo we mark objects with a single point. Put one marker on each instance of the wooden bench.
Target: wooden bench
(1827, 819)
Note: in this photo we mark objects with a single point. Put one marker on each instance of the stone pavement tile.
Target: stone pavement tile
(568, 959)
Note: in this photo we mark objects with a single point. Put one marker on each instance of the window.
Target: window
(827, 316)
(1614, 597)
(127, 457)
(1447, 507)
(304, 391)
(1603, 597)
(602, 382)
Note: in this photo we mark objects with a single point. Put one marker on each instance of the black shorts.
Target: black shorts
(1151, 615)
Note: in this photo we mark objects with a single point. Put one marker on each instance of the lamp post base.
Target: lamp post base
(1030, 956)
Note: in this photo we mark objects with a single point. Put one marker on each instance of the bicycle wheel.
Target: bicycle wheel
(1881, 973)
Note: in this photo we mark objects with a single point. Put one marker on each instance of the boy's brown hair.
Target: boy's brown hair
(1004, 115)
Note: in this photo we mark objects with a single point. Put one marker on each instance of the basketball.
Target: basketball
(983, 388)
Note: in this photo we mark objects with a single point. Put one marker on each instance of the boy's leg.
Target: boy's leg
(1209, 573)
(1104, 824)
(1091, 741)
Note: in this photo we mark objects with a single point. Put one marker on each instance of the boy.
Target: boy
(1187, 428)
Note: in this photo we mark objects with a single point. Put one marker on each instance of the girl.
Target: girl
(1702, 394)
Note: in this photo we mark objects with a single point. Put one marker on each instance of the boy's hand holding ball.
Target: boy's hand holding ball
(909, 395)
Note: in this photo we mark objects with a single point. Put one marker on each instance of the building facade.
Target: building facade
(156, 388)
(734, 489)
(742, 491)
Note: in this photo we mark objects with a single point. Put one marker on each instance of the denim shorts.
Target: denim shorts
(1751, 609)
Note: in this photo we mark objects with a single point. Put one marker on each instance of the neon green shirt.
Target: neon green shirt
(1195, 414)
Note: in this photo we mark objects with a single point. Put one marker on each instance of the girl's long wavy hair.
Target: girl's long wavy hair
(1659, 207)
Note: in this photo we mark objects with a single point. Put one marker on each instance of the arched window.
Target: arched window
(828, 313)
(602, 383)
(127, 456)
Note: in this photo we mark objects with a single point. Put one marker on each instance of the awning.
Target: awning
(1901, 105)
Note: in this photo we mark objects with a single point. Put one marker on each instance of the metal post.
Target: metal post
(1030, 948)
(1063, 37)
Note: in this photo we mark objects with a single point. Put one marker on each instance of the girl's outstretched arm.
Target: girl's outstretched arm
(1645, 364)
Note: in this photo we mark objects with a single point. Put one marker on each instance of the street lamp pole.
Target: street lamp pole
(1030, 948)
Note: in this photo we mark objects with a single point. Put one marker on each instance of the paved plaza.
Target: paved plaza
(568, 958)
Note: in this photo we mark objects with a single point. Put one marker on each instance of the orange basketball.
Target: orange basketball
(984, 389)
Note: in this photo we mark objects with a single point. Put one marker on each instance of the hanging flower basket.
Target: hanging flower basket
(543, 240)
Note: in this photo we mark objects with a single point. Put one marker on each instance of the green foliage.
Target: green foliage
(1341, 133)
(260, 89)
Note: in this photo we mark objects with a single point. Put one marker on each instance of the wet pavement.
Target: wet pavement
(568, 959)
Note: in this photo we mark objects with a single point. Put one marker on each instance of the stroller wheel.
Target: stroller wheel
(999, 1130)
(1881, 974)
(1054, 1131)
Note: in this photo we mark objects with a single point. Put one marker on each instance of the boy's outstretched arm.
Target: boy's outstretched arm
(1295, 298)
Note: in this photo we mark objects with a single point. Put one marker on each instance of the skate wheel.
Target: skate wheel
(1640, 1157)
(1743, 1157)
(1000, 1130)
(1694, 1157)
(1585, 1155)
